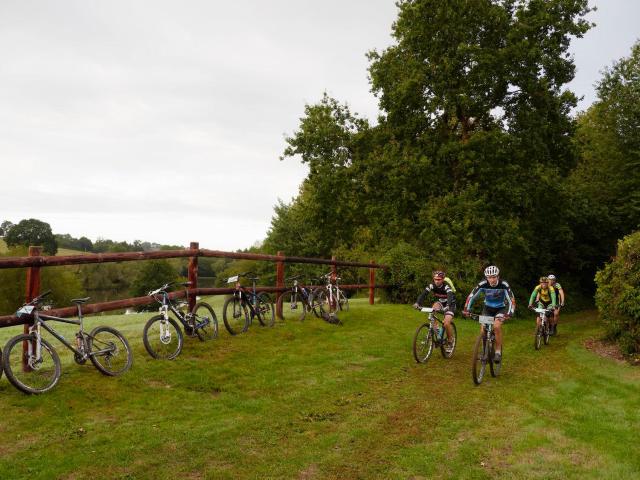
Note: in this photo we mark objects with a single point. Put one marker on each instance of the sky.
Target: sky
(164, 121)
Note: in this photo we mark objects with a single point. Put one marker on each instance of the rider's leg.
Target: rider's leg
(497, 327)
(447, 326)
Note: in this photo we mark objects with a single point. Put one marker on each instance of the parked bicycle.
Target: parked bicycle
(33, 366)
(328, 298)
(433, 334)
(484, 350)
(543, 330)
(241, 307)
(162, 336)
(297, 301)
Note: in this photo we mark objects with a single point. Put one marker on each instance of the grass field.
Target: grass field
(314, 401)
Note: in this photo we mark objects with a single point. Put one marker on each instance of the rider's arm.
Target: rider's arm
(552, 292)
(511, 299)
(560, 289)
(472, 297)
(423, 295)
(532, 298)
(451, 297)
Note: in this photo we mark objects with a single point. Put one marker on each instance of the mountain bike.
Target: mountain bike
(240, 309)
(162, 337)
(296, 301)
(543, 331)
(433, 334)
(328, 297)
(484, 350)
(33, 366)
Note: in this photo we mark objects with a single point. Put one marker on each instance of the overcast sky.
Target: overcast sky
(164, 121)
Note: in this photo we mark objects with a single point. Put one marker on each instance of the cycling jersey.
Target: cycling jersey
(497, 297)
(547, 295)
(444, 293)
(557, 287)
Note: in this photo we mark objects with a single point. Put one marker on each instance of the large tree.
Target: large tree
(32, 232)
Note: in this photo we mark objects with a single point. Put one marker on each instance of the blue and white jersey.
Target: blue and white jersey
(494, 297)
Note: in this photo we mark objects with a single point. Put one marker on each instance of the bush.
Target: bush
(618, 295)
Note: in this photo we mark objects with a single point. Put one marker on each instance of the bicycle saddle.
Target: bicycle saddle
(79, 301)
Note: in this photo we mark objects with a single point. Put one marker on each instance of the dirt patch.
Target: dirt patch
(309, 473)
(605, 349)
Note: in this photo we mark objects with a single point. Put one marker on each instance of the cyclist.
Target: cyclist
(545, 295)
(559, 302)
(443, 289)
(498, 301)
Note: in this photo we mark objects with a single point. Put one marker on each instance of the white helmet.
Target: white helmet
(551, 277)
(491, 270)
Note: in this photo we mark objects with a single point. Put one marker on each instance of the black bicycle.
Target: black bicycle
(484, 350)
(297, 301)
(33, 366)
(432, 334)
(244, 305)
(162, 336)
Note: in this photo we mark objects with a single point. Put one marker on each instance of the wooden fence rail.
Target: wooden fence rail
(35, 261)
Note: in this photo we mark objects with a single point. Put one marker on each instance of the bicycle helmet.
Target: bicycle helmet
(438, 274)
(491, 270)
(544, 280)
(551, 276)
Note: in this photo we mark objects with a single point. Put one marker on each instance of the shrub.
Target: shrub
(618, 295)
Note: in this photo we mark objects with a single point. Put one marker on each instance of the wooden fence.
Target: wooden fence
(35, 261)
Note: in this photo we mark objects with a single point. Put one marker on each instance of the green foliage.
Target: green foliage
(62, 281)
(618, 294)
(32, 232)
(153, 274)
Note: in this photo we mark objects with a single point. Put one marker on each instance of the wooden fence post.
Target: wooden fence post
(372, 282)
(193, 272)
(32, 291)
(279, 284)
(334, 268)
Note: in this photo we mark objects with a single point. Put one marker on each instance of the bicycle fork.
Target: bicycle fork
(33, 361)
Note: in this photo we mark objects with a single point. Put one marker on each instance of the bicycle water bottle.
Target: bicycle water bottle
(440, 332)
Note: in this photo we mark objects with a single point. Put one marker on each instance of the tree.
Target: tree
(153, 274)
(5, 226)
(32, 232)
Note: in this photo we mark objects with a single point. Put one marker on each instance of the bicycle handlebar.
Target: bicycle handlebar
(38, 299)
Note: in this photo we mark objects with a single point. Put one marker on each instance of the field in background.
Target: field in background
(311, 400)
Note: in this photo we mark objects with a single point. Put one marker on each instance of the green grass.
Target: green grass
(311, 400)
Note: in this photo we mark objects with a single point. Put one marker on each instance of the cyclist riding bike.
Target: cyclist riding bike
(544, 295)
(499, 302)
(443, 289)
(559, 302)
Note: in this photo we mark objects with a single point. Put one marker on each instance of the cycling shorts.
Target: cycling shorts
(448, 309)
(493, 311)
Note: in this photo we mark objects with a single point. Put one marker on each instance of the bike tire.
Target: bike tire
(117, 359)
(205, 321)
(546, 334)
(538, 337)
(163, 342)
(343, 302)
(315, 302)
(328, 312)
(265, 311)
(495, 367)
(235, 316)
(291, 306)
(33, 382)
(1, 364)
(479, 361)
(446, 353)
(423, 343)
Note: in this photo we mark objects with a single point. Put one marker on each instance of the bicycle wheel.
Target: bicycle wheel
(205, 321)
(292, 306)
(109, 351)
(423, 343)
(235, 315)
(343, 302)
(538, 338)
(41, 375)
(495, 367)
(479, 363)
(314, 301)
(265, 311)
(446, 350)
(162, 338)
(546, 333)
(328, 304)
(1, 364)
